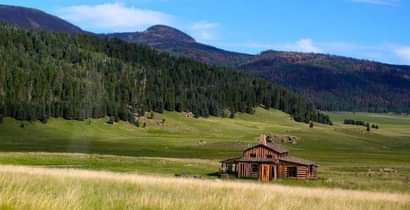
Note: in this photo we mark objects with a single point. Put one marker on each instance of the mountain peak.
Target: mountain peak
(167, 32)
(35, 19)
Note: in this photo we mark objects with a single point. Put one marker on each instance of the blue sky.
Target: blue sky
(370, 29)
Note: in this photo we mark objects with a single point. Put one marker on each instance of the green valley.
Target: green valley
(349, 156)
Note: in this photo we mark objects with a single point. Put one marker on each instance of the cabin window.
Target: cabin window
(254, 167)
(269, 156)
(253, 155)
(292, 172)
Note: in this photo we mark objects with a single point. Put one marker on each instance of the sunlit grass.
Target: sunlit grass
(40, 188)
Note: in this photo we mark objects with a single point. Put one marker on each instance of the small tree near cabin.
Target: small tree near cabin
(151, 115)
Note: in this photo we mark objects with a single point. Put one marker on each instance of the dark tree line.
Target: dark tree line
(360, 123)
(45, 74)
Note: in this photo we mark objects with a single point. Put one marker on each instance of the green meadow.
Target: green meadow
(349, 156)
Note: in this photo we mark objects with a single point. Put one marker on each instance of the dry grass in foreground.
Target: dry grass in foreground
(43, 188)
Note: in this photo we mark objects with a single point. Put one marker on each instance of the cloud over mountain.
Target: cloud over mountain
(113, 17)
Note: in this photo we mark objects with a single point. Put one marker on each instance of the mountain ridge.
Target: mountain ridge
(332, 82)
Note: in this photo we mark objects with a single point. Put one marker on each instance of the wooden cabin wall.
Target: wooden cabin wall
(260, 152)
(302, 172)
(245, 170)
(282, 170)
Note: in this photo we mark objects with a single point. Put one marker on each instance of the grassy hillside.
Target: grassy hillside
(349, 156)
(36, 188)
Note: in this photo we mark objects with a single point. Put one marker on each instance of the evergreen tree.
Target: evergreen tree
(76, 77)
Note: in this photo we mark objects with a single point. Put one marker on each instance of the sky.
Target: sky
(368, 29)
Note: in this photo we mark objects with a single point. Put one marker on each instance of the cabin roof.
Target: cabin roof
(296, 160)
(275, 147)
(230, 160)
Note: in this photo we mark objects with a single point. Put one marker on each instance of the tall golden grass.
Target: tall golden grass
(45, 188)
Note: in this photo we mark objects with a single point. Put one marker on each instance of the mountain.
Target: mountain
(181, 44)
(44, 74)
(337, 83)
(331, 82)
(35, 19)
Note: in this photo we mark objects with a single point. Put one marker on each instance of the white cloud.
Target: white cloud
(379, 2)
(204, 31)
(307, 45)
(404, 54)
(303, 45)
(109, 17)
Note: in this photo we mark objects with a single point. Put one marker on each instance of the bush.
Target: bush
(1, 118)
(137, 123)
(111, 121)
(151, 115)
(44, 119)
(311, 125)
(355, 122)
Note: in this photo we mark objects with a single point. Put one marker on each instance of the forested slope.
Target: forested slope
(45, 74)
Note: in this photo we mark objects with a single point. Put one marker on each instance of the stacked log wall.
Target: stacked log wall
(261, 152)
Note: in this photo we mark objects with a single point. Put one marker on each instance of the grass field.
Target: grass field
(349, 156)
(49, 189)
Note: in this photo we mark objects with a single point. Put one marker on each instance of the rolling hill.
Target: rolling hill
(337, 83)
(78, 77)
(331, 82)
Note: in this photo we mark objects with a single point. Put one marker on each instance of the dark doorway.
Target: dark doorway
(292, 171)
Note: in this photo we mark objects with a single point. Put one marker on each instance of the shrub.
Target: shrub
(151, 115)
(44, 119)
(111, 121)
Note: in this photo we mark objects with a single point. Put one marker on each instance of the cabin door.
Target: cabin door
(265, 173)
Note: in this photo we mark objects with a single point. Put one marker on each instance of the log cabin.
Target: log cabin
(267, 161)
